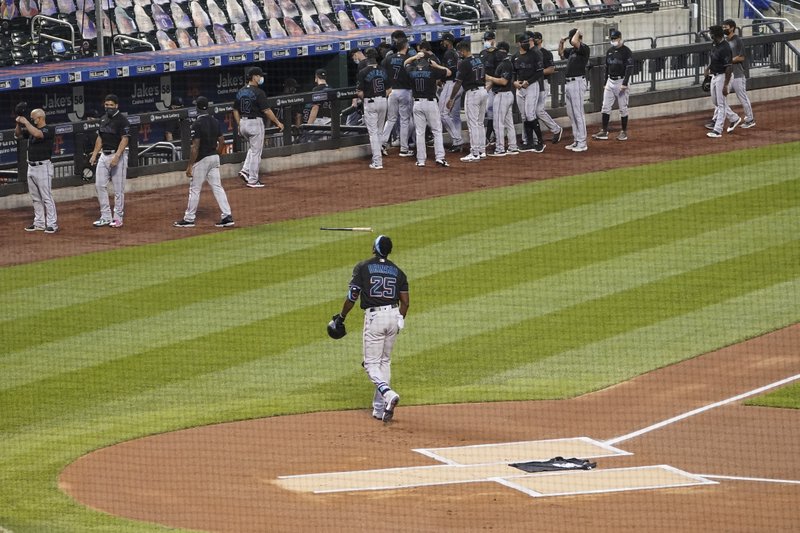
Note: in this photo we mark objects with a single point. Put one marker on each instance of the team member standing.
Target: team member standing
(529, 81)
(424, 73)
(739, 82)
(549, 69)
(320, 114)
(250, 107)
(451, 118)
(490, 60)
(720, 68)
(503, 102)
(400, 102)
(471, 77)
(111, 154)
(383, 289)
(371, 84)
(619, 68)
(577, 57)
(40, 169)
(207, 145)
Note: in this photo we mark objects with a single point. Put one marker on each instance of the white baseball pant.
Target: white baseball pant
(612, 93)
(207, 169)
(252, 129)
(451, 119)
(375, 120)
(504, 121)
(574, 91)
(541, 110)
(739, 86)
(400, 106)
(380, 333)
(475, 108)
(105, 173)
(722, 110)
(40, 183)
(426, 113)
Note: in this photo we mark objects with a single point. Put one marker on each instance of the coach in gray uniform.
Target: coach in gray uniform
(502, 80)
(40, 170)
(471, 76)
(451, 118)
(207, 144)
(619, 68)
(577, 57)
(739, 81)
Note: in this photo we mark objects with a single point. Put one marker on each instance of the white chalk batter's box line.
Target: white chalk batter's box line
(432, 452)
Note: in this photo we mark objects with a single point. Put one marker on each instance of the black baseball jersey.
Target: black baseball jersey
(324, 110)
(396, 70)
(251, 102)
(577, 59)
(471, 73)
(547, 59)
(528, 66)
(489, 58)
(721, 57)
(206, 128)
(423, 78)
(372, 80)
(505, 70)
(619, 63)
(378, 281)
(112, 130)
(451, 61)
(40, 149)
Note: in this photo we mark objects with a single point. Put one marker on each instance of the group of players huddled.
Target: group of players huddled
(404, 89)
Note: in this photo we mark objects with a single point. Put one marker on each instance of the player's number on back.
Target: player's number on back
(382, 287)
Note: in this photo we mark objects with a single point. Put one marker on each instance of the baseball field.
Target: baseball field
(539, 291)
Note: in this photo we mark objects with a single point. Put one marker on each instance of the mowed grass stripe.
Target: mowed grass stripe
(208, 355)
(177, 293)
(155, 329)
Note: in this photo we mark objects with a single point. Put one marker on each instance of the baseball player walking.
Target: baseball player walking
(619, 67)
(529, 81)
(451, 118)
(720, 68)
(250, 106)
(738, 83)
(425, 72)
(371, 84)
(577, 57)
(471, 76)
(112, 164)
(383, 289)
(503, 102)
(40, 169)
(400, 103)
(207, 145)
(549, 68)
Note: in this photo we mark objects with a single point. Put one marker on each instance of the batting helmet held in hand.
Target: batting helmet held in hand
(336, 329)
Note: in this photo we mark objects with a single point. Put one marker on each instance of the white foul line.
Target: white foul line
(759, 479)
(701, 410)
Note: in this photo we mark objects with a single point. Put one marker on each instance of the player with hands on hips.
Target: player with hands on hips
(382, 288)
(40, 168)
(619, 68)
(425, 72)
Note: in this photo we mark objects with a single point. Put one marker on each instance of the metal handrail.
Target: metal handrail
(129, 38)
(36, 19)
(460, 6)
(160, 144)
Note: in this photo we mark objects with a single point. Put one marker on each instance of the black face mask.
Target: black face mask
(728, 32)
(110, 111)
(525, 46)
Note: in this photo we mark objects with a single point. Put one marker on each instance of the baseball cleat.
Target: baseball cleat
(33, 228)
(538, 148)
(714, 134)
(442, 163)
(571, 146)
(557, 136)
(498, 154)
(601, 135)
(243, 176)
(526, 148)
(384, 151)
(711, 125)
(256, 185)
(482, 155)
(395, 143)
(748, 124)
(623, 136)
(50, 229)
(183, 224)
(377, 415)
(580, 148)
(116, 223)
(100, 223)
(407, 153)
(373, 166)
(420, 163)
(470, 158)
(733, 126)
(226, 222)
(392, 399)
(513, 151)
(456, 148)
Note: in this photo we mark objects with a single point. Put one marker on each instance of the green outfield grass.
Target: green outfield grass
(539, 291)
(788, 396)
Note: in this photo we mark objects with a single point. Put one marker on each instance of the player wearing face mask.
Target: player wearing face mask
(490, 60)
(619, 67)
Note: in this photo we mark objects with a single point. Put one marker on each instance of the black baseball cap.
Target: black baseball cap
(448, 37)
(201, 103)
(522, 38)
(615, 34)
(537, 36)
(321, 73)
(502, 45)
(572, 33)
(489, 35)
(254, 71)
(399, 34)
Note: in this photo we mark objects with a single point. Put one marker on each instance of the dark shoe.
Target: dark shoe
(50, 229)
(557, 136)
(33, 228)
(225, 222)
(538, 148)
(442, 163)
(183, 224)
(456, 148)
(256, 185)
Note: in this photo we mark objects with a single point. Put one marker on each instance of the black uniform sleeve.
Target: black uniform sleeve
(628, 66)
(261, 100)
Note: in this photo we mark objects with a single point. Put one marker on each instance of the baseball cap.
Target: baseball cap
(178, 101)
(201, 103)
(321, 73)
(254, 71)
(522, 38)
(399, 34)
(489, 35)
(572, 33)
(537, 36)
(615, 34)
(502, 45)
(448, 37)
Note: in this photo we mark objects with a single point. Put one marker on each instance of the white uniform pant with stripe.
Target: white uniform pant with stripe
(722, 110)
(400, 107)
(40, 182)
(375, 120)
(541, 110)
(574, 92)
(207, 169)
(380, 333)
(451, 119)
(475, 101)
(527, 99)
(612, 93)
(504, 121)
(252, 129)
(426, 113)
(739, 86)
(116, 175)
